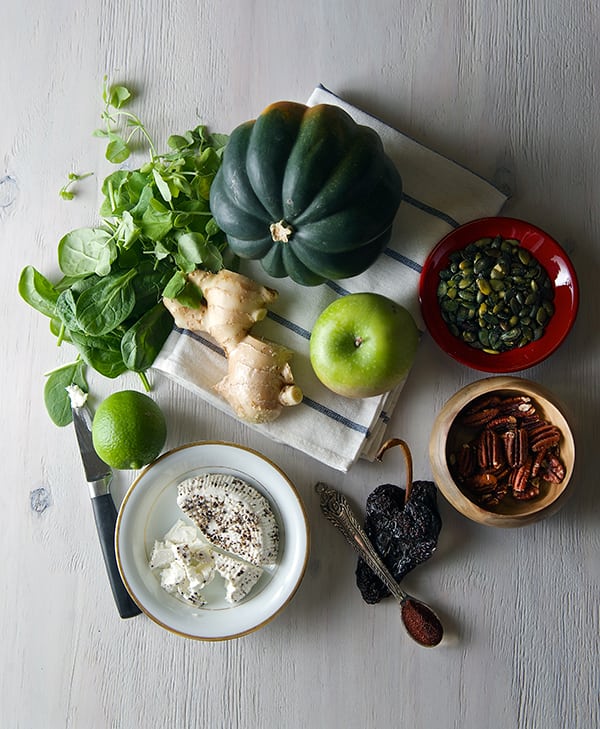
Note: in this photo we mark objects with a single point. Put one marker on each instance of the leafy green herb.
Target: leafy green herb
(56, 397)
(85, 251)
(155, 227)
(142, 342)
(101, 308)
(38, 291)
(65, 192)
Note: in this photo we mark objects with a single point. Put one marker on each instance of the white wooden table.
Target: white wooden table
(508, 89)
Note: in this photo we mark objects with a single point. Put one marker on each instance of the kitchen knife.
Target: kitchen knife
(98, 475)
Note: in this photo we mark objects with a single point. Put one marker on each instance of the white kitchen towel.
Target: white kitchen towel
(438, 195)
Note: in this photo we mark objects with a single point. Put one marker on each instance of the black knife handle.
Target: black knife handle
(105, 514)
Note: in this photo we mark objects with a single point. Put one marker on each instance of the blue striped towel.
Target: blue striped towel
(439, 195)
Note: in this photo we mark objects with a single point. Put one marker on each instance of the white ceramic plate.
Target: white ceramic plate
(148, 511)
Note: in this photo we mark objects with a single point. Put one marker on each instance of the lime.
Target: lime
(129, 430)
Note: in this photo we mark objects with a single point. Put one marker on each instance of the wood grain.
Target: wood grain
(507, 89)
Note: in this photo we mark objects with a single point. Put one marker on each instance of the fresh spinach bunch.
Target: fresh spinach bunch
(155, 227)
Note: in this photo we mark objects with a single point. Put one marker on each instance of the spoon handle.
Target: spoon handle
(337, 509)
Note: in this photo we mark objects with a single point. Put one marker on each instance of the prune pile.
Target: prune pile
(404, 534)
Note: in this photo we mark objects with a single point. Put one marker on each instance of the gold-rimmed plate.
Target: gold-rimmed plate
(150, 508)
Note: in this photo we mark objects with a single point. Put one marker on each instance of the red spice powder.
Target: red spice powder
(422, 623)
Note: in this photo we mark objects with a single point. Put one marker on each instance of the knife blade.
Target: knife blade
(99, 475)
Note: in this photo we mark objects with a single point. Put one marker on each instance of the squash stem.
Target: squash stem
(281, 231)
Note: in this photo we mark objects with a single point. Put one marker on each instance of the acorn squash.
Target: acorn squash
(307, 191)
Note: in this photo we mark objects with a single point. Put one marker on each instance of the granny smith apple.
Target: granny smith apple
(363, 345)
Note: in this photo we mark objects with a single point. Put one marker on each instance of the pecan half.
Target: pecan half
(543, 436)
(518, 479)
(554, 469)
(538, 460)
(518, 405)
(532, 491)
(502, 422)
(464, 461)
(493, 498)
(479, 417)
(489, 455)
(482, 483)
(521, 447)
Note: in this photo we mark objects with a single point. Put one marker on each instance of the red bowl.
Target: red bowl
(549, 254)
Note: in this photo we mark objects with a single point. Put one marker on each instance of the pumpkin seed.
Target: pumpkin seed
(541, 316)
(549, 306)
(484, 337)
(449, 305)
(524, 256)
(511, 335)
(484, 286)
(494, 295)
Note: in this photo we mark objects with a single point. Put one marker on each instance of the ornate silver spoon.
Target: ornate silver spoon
(421, 623)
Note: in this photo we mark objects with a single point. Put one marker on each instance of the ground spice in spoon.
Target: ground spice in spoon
(421, 622)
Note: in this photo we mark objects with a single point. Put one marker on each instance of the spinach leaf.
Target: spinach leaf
(148, 286)
(37, 291)
(144, 340)
(66, 310)
(104, 306)
(86, 250)
(56, 397)
(102, 354)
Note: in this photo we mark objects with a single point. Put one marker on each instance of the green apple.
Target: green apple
(363, 345)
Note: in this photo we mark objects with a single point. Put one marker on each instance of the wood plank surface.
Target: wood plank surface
(508, 89)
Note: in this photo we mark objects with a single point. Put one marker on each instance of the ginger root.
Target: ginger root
(259, 382)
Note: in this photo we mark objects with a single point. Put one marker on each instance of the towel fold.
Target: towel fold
(438, 195)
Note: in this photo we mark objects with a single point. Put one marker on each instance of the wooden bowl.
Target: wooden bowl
(449, 433)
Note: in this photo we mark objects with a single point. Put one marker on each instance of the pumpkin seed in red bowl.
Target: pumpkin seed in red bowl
(498, 294)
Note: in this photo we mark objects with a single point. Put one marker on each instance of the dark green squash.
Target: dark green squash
(307, 191)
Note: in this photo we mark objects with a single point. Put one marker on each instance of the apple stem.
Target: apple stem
(407, 458)
(358, 341)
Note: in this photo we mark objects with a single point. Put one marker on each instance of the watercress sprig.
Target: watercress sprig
(155, 227)
(65, 191)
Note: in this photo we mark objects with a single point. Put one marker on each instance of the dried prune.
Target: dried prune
(404, 534)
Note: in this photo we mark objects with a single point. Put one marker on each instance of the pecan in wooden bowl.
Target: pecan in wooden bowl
(502, 452)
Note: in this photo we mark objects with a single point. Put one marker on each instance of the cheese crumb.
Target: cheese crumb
(185, 563)
(77, 395)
